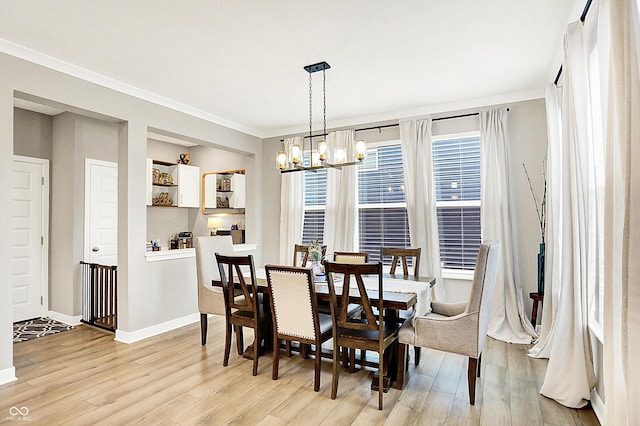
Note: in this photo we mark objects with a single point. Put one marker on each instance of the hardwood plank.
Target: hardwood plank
(84, 377)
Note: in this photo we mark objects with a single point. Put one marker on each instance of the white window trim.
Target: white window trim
(458, 274)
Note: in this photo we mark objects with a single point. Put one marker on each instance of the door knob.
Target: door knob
(95, 249)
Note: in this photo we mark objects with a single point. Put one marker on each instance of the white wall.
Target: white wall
(527, 142)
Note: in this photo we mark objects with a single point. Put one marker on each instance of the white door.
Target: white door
(29, 202)
(101, 212)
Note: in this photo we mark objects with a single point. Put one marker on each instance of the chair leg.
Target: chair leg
(471, 375)
(287, 346)
(304, 350)
(417, 350)
(380, 380)
(239, 339)
(352, 360)
(334, 373)
(227, 345)
(479, 364)
(203, 328)
(276, 357)
(318, 360)
(256, 350)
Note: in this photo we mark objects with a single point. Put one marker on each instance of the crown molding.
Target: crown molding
(404, 114)
(33, 56)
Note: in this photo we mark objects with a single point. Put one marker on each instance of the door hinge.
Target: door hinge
(41, 301)
(41, 240)
(42, 180)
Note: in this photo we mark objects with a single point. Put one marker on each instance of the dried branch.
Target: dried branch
(540, 207)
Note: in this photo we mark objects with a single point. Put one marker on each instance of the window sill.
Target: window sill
(455, 274)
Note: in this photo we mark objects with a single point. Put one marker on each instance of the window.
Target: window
(381, 204)
(456, 163)
(315, 195)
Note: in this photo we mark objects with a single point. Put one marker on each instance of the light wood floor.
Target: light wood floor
(84, 377)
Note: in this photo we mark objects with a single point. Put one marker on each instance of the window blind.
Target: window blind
(456, 163)
(315, 194)
(381, 202)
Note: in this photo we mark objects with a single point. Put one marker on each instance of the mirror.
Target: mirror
(223, 192)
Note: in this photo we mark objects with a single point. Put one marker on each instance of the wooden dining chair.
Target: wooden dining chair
(245, 310)
(371, 332)
(402, 255)
(301, 254)
(350, 257)
(294, 308)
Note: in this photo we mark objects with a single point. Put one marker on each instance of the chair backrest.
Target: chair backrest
(484, 281)
(339, 307)
(350, 257)
(293, 301)
(235, 279)
(210, 298)
(303, 251)
(206, 248)
(402, 255)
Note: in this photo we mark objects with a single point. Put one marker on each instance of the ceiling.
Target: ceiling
(240, 63)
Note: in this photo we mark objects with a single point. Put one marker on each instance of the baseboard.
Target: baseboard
(154, 330)
(8, 375)
(67, 319)
(597, 405)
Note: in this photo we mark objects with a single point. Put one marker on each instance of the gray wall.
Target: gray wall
(143, 302)
(75, 138)
(32, 134)
(527, 135)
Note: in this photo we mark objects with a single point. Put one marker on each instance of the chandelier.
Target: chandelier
(292, 159)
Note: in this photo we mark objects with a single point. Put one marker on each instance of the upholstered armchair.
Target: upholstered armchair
(210, 298)
(460, 328)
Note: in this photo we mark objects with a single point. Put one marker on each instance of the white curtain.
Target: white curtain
(553, 281)
(508, 321)
(341, 214)
(570, 377)
(619, 46)
(417, 164)
(291, 207)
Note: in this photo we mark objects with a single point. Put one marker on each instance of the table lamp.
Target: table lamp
(214, 223)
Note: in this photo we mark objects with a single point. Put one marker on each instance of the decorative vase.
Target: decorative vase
(541, 270)
(318, 270)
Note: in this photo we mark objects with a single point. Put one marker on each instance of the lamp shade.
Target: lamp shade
(214, 223)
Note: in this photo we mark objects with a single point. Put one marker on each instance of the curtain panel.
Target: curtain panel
(570, 377)
(508, 321)
(341, 214)
(420, 196)
(291, 207)
(619, 48)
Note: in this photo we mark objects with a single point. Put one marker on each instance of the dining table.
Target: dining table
(401, 293)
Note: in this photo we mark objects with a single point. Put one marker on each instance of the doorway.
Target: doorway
(101, 212)
(30, 237)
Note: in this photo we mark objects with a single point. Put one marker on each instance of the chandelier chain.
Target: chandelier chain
(324, 103)
(310, 110)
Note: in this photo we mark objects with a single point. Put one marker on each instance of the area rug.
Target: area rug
(37, 327)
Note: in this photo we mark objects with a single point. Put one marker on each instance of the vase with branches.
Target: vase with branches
(541, 209)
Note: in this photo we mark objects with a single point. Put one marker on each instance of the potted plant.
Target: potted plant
(315, 254)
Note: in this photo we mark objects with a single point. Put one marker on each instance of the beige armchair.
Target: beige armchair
(460, 328)
(210, 298)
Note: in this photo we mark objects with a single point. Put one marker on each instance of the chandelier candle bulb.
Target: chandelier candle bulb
(296, 151)
(281, 160)
(341, 155)
(361, 150)
(322, 150)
